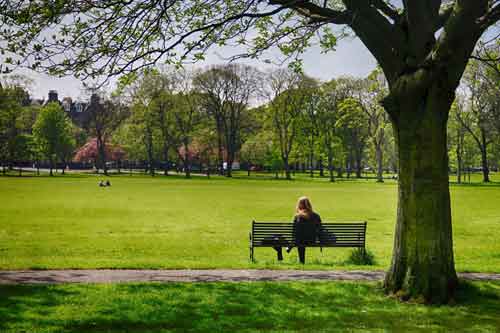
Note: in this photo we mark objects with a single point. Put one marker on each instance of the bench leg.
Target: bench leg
(251, 254)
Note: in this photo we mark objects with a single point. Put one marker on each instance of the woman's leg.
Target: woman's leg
(302, 254)
(279, 251)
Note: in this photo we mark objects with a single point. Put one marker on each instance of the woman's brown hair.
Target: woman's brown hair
(304, 207)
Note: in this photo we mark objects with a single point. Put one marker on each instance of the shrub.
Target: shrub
(360, 256)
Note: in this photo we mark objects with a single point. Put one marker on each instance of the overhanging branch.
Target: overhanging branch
(315, 12)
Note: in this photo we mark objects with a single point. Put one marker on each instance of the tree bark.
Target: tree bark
(422, 265)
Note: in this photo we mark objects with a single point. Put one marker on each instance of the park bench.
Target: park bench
(273, 234)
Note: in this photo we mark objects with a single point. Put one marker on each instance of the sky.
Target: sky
(350, 58)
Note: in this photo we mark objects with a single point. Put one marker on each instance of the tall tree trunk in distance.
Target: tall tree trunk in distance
(149, 146)
(101, 148)
(460, 139)
(330, 164)
(379, 154)
(357, 161)
(187, 161)
(165, 158)
(50, 167)
(286, 165)
(220, 146)
(311, 166)
(484, 157)
(230, 160)
(321, 169)
(422, 266)
(348, 164)
(208, 167)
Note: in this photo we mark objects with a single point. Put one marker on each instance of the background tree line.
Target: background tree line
(282, 122)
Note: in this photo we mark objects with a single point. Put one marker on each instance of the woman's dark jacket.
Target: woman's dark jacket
(306, 229)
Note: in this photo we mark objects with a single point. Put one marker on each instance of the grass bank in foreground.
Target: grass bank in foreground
(170, 222)
(239, 307)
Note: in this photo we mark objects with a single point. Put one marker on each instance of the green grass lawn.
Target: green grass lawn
(239, 307)
(144, 222)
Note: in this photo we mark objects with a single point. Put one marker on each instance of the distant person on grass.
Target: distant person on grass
(306, 227)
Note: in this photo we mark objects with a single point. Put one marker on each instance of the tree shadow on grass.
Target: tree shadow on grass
(231, 307)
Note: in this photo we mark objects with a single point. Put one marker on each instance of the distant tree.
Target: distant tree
(89, 152)
(457, 133)
(257, 150)
(186, 114)
(309, 124)
(332, 94)
(227, 91)
(152, 111)
(53, 133)
(353, 124)
(480, 110)
(288, 92)
(370, 94)
(105, 116)
(14, 125)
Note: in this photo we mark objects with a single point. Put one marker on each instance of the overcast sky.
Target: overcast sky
(350, 58)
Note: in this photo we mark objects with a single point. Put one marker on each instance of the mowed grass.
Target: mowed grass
(240, 307)
(143, 222)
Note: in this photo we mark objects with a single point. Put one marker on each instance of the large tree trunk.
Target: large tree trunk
(422, 265)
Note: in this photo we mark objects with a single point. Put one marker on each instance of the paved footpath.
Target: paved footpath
(209, 275)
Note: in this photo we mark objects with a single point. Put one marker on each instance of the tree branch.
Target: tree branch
(387, 9)
(492, 17)
(315, 12)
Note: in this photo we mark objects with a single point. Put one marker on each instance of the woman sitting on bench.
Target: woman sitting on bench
(306, 227)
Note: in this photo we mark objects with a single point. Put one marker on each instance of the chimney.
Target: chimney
(53, 96)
